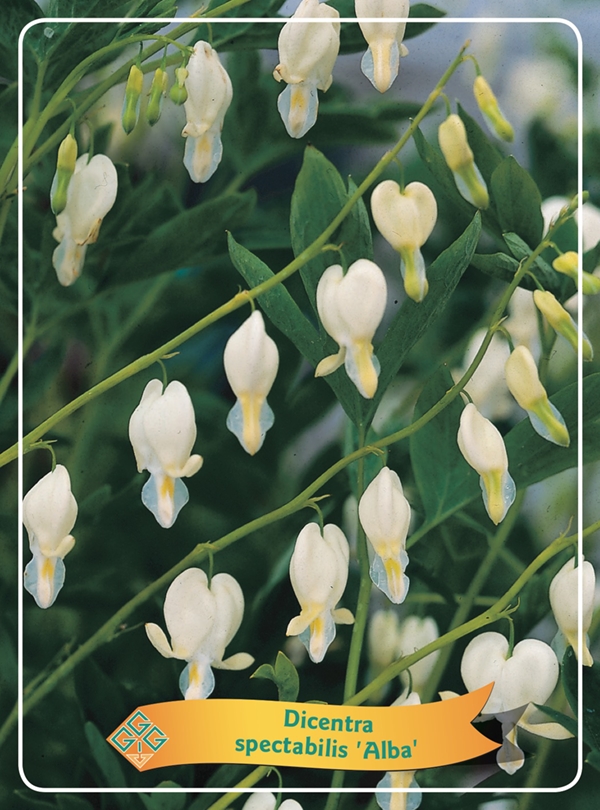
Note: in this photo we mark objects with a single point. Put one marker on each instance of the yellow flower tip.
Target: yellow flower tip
(555, 429)
(298, 110)
(395, 578)
(252, 437)
(490, 109)
(590, 284)
(383, 75)
(567, 263)
(495, 502)
(416, 285)
(452, 137)
(367, 374)
(131, 102)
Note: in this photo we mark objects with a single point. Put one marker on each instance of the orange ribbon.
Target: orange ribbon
(305, 735)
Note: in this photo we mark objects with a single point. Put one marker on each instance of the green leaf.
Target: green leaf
(340, 122)
(557, 283)
(445, 481)
(28, 802)
(532, 459)
(591, 259)
(105, 758)
(188, 238)
(164, 801)
(591, 696)
(593, 759)
(15, 16)
(283, 675)
(285, 314)
(487, 155)
(352, 39)
(412, 320)
(570, 723)
(66, 801)
(319, 195)
(518, 201)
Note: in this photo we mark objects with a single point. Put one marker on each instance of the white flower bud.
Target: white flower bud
(416, 633)
(201, 621)
(91, 194)
(483, 448)
(452, 137)
(524, 384)
(385, 516)
(307, 54)
(405, 219)
(351, 307)
(162, 431)
(562, 323)
(267, 801)
(564, 602)
(319, 572)
(49, 514)
(490, 109)
(209, 95)
(251, 361)
(381, 62)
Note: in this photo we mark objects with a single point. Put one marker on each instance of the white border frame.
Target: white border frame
(216, 20)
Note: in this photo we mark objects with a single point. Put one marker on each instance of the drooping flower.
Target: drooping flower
(201, 620)
(562, 323)
(178, 92)
(399, 779)
(267, 801)
(528, 676)
(483, 448)
(162, 431)
(524, 384)
(490, 109)
(251, 361)
(209, 95)
(568, 264)
(90, 196)
(405, 219)
(158, 90)
(132, 99)
(381, 61)
(351, 307)
(384, 514)
(49, 514)
(319, 572)
(452, 137)
(564, 602)
(65, 166)
(307, 54)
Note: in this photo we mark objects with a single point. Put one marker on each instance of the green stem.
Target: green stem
(253, 777)
(4, 212)
(28, 339)
(241, 298)
(472, 593)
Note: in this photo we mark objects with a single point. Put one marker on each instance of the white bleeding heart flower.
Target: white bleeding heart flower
(351, 307)
(91, 194)
(400, 780)
(405, 219)
(267, 801)
(209, 95)
(162, 431)
(49, 514)
(307, 54)
(524, 384)
(384, 514)
(201, 620)
(528, 676)
(319, 572)
(251, 361)
(452, 137)
(483, 448)
(415, 633)
(563, 593)
(381, 62)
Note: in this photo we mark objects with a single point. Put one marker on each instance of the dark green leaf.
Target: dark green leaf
(15, 16)
(28, 802)
(532, 459)
(517, 201)
(412, 320)
(591, 259)
(487, 155)
(105, 758)
(352, 39)
(557, 283)
(570, 723)
(591, 696)
(188, 238)
(445, 480)
(593, 759)
(345, 123)
(319, 195)
(67, 801)
(283, 675)
(164, 801)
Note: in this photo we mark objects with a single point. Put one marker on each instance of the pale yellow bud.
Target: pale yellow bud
(562, 323)
(452, 137)
(490, 109)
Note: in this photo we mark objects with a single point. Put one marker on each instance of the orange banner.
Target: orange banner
(305, 735)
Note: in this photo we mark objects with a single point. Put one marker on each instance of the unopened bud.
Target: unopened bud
(452, 137)
(178, 93)
(158, 90)
(65, 166)
(490, 109)
(568, 264)
(131, 102)
(562, 323)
